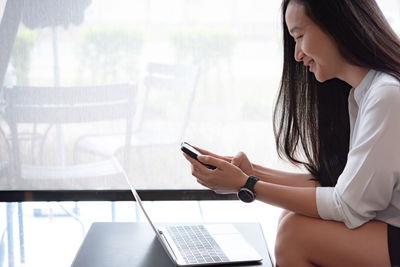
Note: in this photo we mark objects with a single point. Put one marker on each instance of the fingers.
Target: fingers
(205, 152)
(198, 169)
(226, 158)
(237, 160)
(194, 162)
(205, 176)
(206, 159)
(198, 172)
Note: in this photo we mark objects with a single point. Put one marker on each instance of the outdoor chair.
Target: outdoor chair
(162, 116)
(64, 111)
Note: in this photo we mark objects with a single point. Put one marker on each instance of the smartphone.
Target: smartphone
(192, 152)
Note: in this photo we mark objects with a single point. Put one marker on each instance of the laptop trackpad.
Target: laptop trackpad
(232, 242)
(215, 229)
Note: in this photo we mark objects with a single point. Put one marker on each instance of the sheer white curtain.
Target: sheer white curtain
(235, 44)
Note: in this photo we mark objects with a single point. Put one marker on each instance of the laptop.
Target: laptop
(203, 244)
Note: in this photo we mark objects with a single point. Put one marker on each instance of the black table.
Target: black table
(135, 244)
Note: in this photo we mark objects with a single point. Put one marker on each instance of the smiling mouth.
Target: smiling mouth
(309, 64)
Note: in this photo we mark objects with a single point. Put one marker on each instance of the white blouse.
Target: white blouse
(369, 186)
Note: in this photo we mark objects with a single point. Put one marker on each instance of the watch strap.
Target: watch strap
(251, 181)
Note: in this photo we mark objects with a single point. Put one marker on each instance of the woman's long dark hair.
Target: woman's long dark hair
(311, 121)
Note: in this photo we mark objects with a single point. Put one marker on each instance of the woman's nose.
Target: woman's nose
(298, 54)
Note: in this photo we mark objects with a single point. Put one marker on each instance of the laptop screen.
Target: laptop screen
(139, 201)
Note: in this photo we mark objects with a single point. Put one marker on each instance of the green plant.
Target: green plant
(110, 54)
(21, 54)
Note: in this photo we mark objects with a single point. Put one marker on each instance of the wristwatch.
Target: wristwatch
(246, 193)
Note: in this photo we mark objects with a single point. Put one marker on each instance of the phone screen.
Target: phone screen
(192, 152)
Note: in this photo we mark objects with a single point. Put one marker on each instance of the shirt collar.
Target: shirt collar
(363, 87)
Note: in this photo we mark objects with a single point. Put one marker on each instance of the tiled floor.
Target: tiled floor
(54, 238)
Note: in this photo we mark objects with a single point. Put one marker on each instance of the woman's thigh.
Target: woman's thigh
(310, 241)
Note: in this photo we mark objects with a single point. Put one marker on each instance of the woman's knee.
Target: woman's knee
(290, 239)
(286, 230)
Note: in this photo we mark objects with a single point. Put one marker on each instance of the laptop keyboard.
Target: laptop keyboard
(196, 244)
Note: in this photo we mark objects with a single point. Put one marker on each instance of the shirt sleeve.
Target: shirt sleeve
(366, 185)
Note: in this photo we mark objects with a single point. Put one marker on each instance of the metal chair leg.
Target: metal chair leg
(21, 232)
(10, 232)
(112, 211)
(2, 248)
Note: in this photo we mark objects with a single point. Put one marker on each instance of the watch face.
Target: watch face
(246, 195)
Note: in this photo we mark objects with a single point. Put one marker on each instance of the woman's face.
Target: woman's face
(316, 49)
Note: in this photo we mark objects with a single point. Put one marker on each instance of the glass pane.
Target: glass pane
(97, 89)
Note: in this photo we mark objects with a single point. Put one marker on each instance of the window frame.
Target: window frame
(112, 195)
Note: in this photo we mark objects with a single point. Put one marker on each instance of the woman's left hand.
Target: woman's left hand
(225, 179)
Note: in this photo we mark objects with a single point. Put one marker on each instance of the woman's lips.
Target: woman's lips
(310, 64)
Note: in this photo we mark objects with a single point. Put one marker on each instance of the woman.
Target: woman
(337, 114)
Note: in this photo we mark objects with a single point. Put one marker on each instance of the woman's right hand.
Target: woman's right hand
(240, 160)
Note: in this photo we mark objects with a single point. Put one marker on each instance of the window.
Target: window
(235, 45)
(68, 46)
